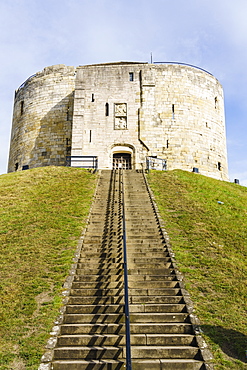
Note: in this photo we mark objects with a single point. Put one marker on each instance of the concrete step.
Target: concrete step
(154, 278)
(151, 264)
(97, 285)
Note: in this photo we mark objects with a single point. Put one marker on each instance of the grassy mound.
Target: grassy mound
(206, 220)
(42, 214)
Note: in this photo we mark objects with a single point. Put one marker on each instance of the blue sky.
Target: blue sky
(211, 34)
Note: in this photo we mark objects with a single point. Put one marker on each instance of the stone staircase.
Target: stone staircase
(162, 335)
(92, 332)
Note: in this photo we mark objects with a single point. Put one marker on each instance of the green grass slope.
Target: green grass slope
(42, 214)
(207, 225)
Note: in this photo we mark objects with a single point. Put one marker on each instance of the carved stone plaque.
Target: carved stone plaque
(120, 116)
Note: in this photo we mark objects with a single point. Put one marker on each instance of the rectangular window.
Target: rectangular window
(219, 166)
(92, 97)
(173, 111)
(131, 76)
(90, 136)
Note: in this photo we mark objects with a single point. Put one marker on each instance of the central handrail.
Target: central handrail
(126, 287)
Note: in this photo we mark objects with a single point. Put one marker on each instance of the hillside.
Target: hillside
(43, 212)
(207, 225)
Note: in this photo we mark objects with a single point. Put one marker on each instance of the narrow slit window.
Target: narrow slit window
(90, 136)
(22, 107)
(216, 102)
(16, 166)
(107, 109)
(219, 166)
(167, 144)
(92, 97)
(131, 76)
(173, 111)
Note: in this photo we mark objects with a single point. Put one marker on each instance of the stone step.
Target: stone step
(98, 278)
(161, 308)
(100, 265)
(178, 352)
(156, 300)
(101, 292)
(151, 264)
(154, 284)
(151, 271)
(155, 292)
(154, 278)
(89, 353)
(165, 364)
(94, 318)
(161, 328)
(97, 285)
(136, 339)
(159, 317)
(95, 309)
(100, 271)
(140, 364)
(100, 300)
(91, 329)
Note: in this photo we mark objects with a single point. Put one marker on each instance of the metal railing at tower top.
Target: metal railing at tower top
(184, 64)
(82, 161)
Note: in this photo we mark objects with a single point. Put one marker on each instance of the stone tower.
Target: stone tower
(126, 110)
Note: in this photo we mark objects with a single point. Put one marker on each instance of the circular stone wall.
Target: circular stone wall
(42, 119)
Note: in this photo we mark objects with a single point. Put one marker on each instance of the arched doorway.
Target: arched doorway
(122, 157)
(121, 160)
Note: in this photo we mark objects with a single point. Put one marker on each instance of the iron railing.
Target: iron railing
(153, 163)
(82, 161)
(126, 287)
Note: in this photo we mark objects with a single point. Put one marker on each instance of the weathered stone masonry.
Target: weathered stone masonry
(169, 111)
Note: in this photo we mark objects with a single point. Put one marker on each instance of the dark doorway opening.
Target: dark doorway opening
(121, 160)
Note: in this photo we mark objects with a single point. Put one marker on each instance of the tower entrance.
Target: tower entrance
(121, 160)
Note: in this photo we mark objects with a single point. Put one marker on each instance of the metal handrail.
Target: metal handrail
(126, 287)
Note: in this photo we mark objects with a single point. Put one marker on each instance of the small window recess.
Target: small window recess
(219, 166)
(216, 102)
(107, 109)
(131, 76)
(16, 166)
(68, 114)
(92, 97)
(167, 144)
(90, 136)
(25, 167)
(22, 107)
(173, 111)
